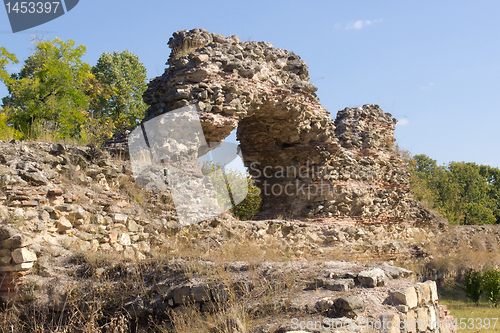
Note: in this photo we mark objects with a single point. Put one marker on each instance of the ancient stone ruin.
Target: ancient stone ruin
(305, 163)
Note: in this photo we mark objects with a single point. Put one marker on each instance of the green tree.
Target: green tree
(464, 193)
(124, 77)
(492, 176)
(426, 180)
(491, 285)
(6, 132)
(472, 199)
(48, 94)
(5, 58)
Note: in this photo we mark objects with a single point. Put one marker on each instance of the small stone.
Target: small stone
(63, 225)
(55, 191)
(120, 218)
(423, 293)
(144, 247)
(402, 308)
(17, 268)
(78, 215)
(349, 303)
(106, 247)
(29, 203)
(122, 203)
(390, 323)
(15, 242)
(117, 247)
(423, 318)
(5, 260)
(57, 149)
(372, 278)
(324, 305)
(18, 213)
(35, 177)
(132, 226)
(113, 235)
(104, 163)
(23, 255)
(43, 215)
(4, 212)
(94, 244)
(339, 284)
(129, 253)
(6, 231)
(124, 239)
(201, 57)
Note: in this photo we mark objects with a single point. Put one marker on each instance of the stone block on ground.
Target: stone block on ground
(348, 306)
(200, 293)
(406, 297)
(182, 295)
(372, 278)
(23, 255)
(339, 284)
(16, 267)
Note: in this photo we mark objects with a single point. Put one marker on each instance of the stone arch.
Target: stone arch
(349, 166)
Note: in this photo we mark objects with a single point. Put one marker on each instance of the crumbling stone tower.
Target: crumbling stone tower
(305, 163)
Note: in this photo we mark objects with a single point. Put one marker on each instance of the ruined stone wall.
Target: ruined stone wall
(15, 260)
(305, 163)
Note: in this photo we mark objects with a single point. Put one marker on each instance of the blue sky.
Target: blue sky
(434, 65)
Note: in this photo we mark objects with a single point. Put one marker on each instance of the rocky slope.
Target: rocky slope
(73, 225)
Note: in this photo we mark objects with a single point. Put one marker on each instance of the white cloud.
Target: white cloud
(429, 86)
(361, 24)
(403, 122)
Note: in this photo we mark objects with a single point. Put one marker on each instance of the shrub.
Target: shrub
(491, 285)
(247, 208)
(473, 285)
(250, 206)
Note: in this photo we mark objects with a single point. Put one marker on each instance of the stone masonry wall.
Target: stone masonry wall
(15, 260)
(346, 167)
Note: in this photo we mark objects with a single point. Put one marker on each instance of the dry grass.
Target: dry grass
(105, 283)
